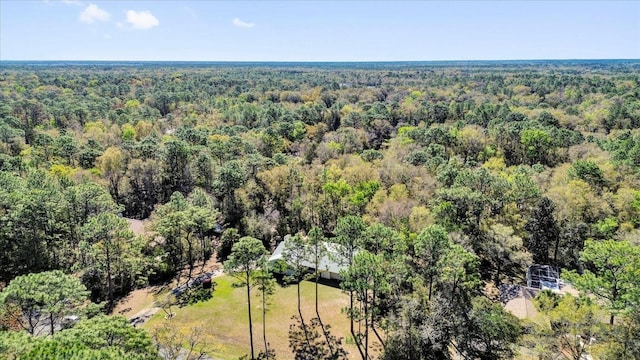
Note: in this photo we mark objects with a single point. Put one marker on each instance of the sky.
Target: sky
(318, 30)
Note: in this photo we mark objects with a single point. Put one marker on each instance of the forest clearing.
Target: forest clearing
(223, 318)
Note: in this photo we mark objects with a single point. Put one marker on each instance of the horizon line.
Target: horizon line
(318, 61)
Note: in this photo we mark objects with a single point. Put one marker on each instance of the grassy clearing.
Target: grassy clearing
(224, 317)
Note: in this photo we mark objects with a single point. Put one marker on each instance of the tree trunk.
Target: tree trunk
(249, 311)
(317, 278)
(51, 324)
(353, 332)
(352, 328)
(373, 327)
(366, 327)
(614, 297)
(190, 254)
(32, 322)
(299, 307)
(264, 320)
(324, 331)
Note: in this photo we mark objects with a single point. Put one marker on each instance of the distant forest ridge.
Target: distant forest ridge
(324, 64)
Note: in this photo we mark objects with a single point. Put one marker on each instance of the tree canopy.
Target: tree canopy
(452, 178)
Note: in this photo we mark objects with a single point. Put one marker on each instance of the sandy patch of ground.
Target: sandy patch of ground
(211, 265)
(522, 306)
(137, 226)
(136, 301)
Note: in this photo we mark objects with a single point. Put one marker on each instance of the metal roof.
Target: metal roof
(330, 260)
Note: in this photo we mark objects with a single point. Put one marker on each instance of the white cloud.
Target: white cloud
(141, 19)
(93, 13)
(239, 23)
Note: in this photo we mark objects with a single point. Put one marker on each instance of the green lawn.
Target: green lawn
(224, 317)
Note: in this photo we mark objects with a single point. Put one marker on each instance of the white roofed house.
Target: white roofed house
(330, 262)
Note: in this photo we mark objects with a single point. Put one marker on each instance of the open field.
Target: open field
(224, 317)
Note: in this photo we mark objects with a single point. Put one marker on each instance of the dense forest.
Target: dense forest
(441, 181)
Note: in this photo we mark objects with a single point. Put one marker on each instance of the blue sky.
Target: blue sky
(318, 30)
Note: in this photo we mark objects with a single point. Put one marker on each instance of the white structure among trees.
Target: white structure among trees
(329, 264)
(543, 277)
